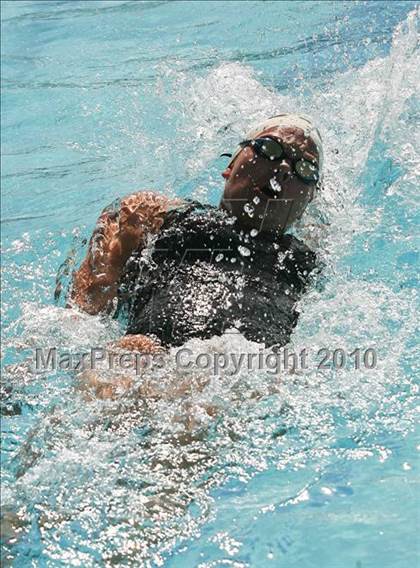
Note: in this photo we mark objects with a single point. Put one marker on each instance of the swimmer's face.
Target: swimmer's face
(247, 187)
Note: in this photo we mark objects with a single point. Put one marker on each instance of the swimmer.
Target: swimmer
(176, 269)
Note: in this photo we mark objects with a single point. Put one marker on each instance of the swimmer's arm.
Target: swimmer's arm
(104, 388)
(117, 235)
(138, 342)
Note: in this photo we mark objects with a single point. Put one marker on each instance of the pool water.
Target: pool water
(314, 469)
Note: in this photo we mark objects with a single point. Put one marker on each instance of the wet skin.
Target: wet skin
(248, 183)
(247, 177)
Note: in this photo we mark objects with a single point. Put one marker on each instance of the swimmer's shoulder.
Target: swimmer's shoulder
(148, 206)
(145, 201)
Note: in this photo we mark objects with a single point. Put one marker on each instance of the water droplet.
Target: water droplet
(244, 251)
(275, 186)
(248, 208)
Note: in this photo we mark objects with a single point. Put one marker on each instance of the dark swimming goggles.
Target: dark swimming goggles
(272, 149)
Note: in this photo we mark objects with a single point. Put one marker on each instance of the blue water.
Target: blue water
(320, 469)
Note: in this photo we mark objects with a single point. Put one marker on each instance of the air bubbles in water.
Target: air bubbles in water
(244, 251)
(249, 210)
(256, 200)
(275, 185)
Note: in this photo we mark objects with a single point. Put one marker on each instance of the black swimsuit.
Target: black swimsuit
(203, 276)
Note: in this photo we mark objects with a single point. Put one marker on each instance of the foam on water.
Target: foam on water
(125, 480)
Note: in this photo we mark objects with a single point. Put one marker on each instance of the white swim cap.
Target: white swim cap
(289, 119)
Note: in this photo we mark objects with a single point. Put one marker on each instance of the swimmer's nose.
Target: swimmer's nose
(226, 173)
(284, 171)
